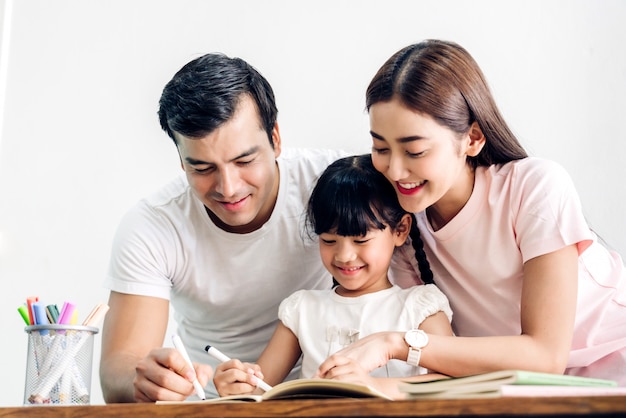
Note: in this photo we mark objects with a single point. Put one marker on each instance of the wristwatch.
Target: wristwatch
(416, 339)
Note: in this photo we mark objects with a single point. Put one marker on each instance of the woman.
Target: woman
(529, 285)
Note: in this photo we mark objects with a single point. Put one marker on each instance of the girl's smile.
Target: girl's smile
(360, 264)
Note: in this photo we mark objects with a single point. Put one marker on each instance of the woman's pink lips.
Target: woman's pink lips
(406, 191)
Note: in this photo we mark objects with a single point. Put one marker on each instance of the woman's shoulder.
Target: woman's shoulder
(528, 165)
(529, 171)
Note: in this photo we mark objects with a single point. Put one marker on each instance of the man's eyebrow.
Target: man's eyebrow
(247, 153)
(403, 140)
(193, 161)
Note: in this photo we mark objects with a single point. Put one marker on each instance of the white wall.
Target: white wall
(80, 140)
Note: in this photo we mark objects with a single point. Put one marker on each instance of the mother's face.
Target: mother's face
(425, 161)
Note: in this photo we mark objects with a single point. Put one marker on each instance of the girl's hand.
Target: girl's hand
(236, 378)
(348, 370)
(370, 352)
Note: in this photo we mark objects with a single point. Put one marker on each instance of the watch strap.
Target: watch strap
(414, 356)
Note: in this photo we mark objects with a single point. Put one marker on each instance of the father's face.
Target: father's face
(233, 170)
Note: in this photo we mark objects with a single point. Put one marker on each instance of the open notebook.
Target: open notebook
(305, 389)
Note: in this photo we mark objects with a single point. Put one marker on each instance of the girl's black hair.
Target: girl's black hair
(352, 197)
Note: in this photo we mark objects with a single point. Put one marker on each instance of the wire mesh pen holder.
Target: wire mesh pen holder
(59, 363)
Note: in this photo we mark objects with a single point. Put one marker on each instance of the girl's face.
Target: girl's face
(425, 161)
(360, 264)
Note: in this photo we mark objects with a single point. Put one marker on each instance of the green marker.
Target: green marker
(53, 313)
(22, 310)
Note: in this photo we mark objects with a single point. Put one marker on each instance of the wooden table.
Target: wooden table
(599, 406)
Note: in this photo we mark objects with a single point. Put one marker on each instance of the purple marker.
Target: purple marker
(65, 316)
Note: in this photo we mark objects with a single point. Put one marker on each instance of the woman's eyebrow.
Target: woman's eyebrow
(402, 140)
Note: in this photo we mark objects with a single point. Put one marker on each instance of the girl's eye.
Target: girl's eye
(380, 151)
(327, 241)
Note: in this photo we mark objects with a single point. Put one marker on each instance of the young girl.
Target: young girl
(530, 286)
(355, 212)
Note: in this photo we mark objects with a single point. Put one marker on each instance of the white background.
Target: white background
(80, 81)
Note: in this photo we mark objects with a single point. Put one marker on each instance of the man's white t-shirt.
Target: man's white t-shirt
(225, 288)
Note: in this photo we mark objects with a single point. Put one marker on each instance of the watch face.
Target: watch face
(416, 338)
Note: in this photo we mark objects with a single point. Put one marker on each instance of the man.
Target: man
(223, 243)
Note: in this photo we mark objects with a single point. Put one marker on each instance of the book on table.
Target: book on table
(510, 383)
(305, 389)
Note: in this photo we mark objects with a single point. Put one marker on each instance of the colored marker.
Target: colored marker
(53, 313)
(65, 316)
(40, 316)
(215, 353)
(23, 310)
(74, 317)
(66, 313)
(96, 315)
(29, 302)
(178, 343)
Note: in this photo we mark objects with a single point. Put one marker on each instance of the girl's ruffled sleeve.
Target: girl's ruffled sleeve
(427, 300)
(287, 311)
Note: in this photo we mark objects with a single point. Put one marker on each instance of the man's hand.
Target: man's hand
(131, 368)
(164, 375)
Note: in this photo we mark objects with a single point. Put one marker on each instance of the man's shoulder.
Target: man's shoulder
(174, 190)
(311, 155)
(302, 166)
(307, 162)
(170, 201)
